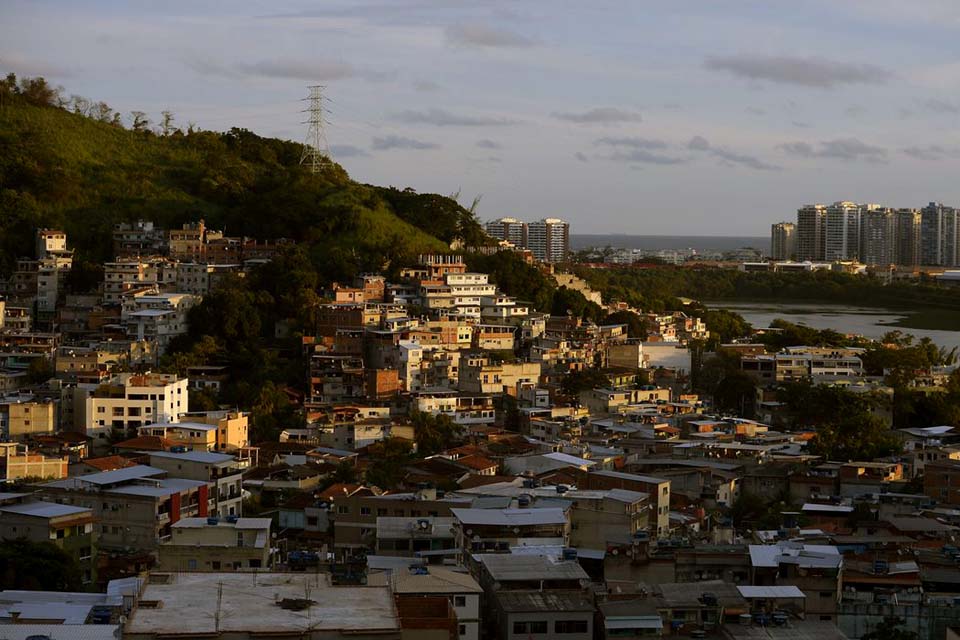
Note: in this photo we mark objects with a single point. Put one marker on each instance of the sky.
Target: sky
(667, 117)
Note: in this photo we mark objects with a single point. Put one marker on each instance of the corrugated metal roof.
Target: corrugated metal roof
(205, 457)
(505, 567)
(787, 591)
(510, 517)
(547, 601)
(42, 509)
(122, 475)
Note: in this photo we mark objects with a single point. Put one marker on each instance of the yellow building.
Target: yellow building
(212, 544)
(17, 462)
(21, 419)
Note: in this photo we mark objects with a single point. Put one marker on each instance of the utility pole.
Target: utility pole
(315, 152)
(216, 616)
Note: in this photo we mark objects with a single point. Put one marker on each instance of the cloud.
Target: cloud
(582, 157)
(855, 111)
(941, 106)
(347, 151)
(631, 142)
(426, 86)
(488, 144)
(642, 156)
(294, 68)
(756, 111)
(21, 65)
(444, 118)
(800, 125)
(839, 149)
(931, 152)
(483, 35)
(726, 156)
(600, 115)
(808, 72)
(385, 143)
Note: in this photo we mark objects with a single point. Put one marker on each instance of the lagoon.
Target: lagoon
(871, 322)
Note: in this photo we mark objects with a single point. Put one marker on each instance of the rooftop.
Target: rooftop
(271, 604)
(504, 567)
(546, 601)
(41, 509)
(510, 517)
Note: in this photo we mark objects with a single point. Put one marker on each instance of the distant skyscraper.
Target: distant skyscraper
(908, 237)
(783, 241)
(938, 235)
(811, 228)
(842, 235)
(549, 239)
(878, 236)
(509, 229)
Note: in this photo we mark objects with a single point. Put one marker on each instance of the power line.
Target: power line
(315, 152)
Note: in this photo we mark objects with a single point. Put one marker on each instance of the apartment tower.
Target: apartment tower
(783, 241)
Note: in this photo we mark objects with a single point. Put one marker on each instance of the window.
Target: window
(570, 626)
(462, 629)
(256, 563)
(343, 509)
(827, 594)
(459, 601)
(537, 626)
(215, 565)
(364, 511)
(381, 512)
(191, 564)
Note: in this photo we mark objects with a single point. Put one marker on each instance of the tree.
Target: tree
(389, 457)
(39, 371)
(37, 566)
(434, 433)
(584, 380)
(891, 628)
(636, 325)
(140, 122)
(166, 122)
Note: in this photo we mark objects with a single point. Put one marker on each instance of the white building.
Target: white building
(130, 401)
(549, 239)
(157, 317)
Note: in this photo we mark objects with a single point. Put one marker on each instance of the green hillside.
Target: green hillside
(83, 174)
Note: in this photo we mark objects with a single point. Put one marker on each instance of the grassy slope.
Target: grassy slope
(86, 175)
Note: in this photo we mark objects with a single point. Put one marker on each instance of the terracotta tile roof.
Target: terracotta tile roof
(476, 462)
(109, 463)
(341, 490)
(146, 443)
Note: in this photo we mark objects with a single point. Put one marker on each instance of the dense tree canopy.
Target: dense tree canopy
(37, 566)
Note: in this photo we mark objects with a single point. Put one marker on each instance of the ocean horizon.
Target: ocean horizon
(658, 243)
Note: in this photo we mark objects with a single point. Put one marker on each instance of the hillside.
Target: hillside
(62, 169)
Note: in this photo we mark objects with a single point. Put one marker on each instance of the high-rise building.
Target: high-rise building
(938, 235)
(908, 237)
(842, 234)
(783, 240)
(811, 229)
(549, 239)
(878, 236)
(509, 229)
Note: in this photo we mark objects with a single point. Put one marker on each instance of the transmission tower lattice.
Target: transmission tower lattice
(315, 152)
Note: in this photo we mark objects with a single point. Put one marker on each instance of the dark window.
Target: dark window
(459, 601)
(570, 626)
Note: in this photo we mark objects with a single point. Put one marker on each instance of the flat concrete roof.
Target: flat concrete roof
(250, 604)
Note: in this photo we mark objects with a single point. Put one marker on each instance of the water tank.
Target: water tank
(213, 520)
(232, 519)
(569, 554)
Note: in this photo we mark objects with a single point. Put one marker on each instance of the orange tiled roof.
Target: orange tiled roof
(109, 463)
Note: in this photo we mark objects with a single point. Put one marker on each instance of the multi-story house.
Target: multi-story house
(158, 317)
(479, 374)
(222, 473)
(131, 400)
(217, 544)
(18, 462)
(70, 528)
(657, 488)
(134, 507)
